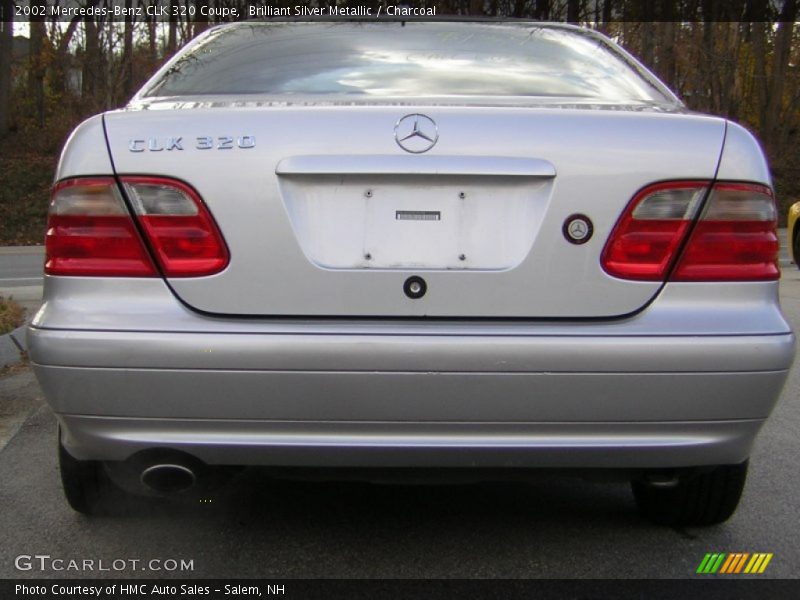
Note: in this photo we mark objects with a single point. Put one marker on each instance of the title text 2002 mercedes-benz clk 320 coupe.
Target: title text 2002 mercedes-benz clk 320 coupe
(494, 246)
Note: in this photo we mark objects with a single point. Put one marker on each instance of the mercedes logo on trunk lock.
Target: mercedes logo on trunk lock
(416, 133)
(578, 229)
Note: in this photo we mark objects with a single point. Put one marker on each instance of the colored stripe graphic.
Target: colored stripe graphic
(764, 564)
(734, 562)
(711, 563)
(755, 562)
(704, 564)
(732, 558)
(717, 564)
(740, 565)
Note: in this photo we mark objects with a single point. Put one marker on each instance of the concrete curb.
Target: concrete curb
(12, 346)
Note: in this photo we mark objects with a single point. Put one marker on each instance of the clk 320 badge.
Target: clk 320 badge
(223, 142)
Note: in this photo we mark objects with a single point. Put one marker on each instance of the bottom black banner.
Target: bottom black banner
(334, 589)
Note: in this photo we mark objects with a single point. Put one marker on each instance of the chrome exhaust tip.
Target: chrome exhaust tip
(168, 478)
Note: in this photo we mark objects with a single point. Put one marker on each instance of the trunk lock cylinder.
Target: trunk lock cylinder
(578, 229)
(415, 287)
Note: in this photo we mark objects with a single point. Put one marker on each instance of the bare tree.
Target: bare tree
(607, 11)
(542, 10)
(759, 43)
(36, 67)
(201, 22)
(59, 66)
(151, 38)
(573, 11)
(6, 44)
(780, 62)
(172, 41)
(666, 36)
(91, 63)
(127, 52)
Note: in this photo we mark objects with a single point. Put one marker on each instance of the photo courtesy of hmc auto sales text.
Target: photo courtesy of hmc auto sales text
(146, 590)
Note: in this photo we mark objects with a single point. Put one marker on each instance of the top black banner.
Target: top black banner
(574, 11)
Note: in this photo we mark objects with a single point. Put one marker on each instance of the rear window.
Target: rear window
(412, 59)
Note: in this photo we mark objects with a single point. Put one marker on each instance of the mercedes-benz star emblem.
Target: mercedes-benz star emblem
(416, 133)
(578, 229)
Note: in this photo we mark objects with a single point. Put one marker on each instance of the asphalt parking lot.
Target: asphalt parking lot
(555, 526)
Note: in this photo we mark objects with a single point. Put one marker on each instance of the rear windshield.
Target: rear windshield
(413, 59)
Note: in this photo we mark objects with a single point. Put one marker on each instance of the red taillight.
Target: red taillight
(184, 237)
(733, 240)
(90, 231)
(647, 237)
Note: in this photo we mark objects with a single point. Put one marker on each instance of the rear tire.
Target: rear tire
(83, 481)
(704, 498)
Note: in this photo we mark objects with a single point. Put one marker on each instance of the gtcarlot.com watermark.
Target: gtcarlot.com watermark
(47, 563)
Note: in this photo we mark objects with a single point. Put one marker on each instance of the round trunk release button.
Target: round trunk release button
(578, 229)
(415, 287)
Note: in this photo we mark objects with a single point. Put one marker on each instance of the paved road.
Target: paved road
(21, 275)
(556, 526)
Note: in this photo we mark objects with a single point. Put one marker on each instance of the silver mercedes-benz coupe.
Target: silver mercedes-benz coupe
(482, 246)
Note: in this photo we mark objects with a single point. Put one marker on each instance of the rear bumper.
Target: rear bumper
(421, 444)
(360, 399)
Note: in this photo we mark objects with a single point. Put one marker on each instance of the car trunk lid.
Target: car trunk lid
(325, 214)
